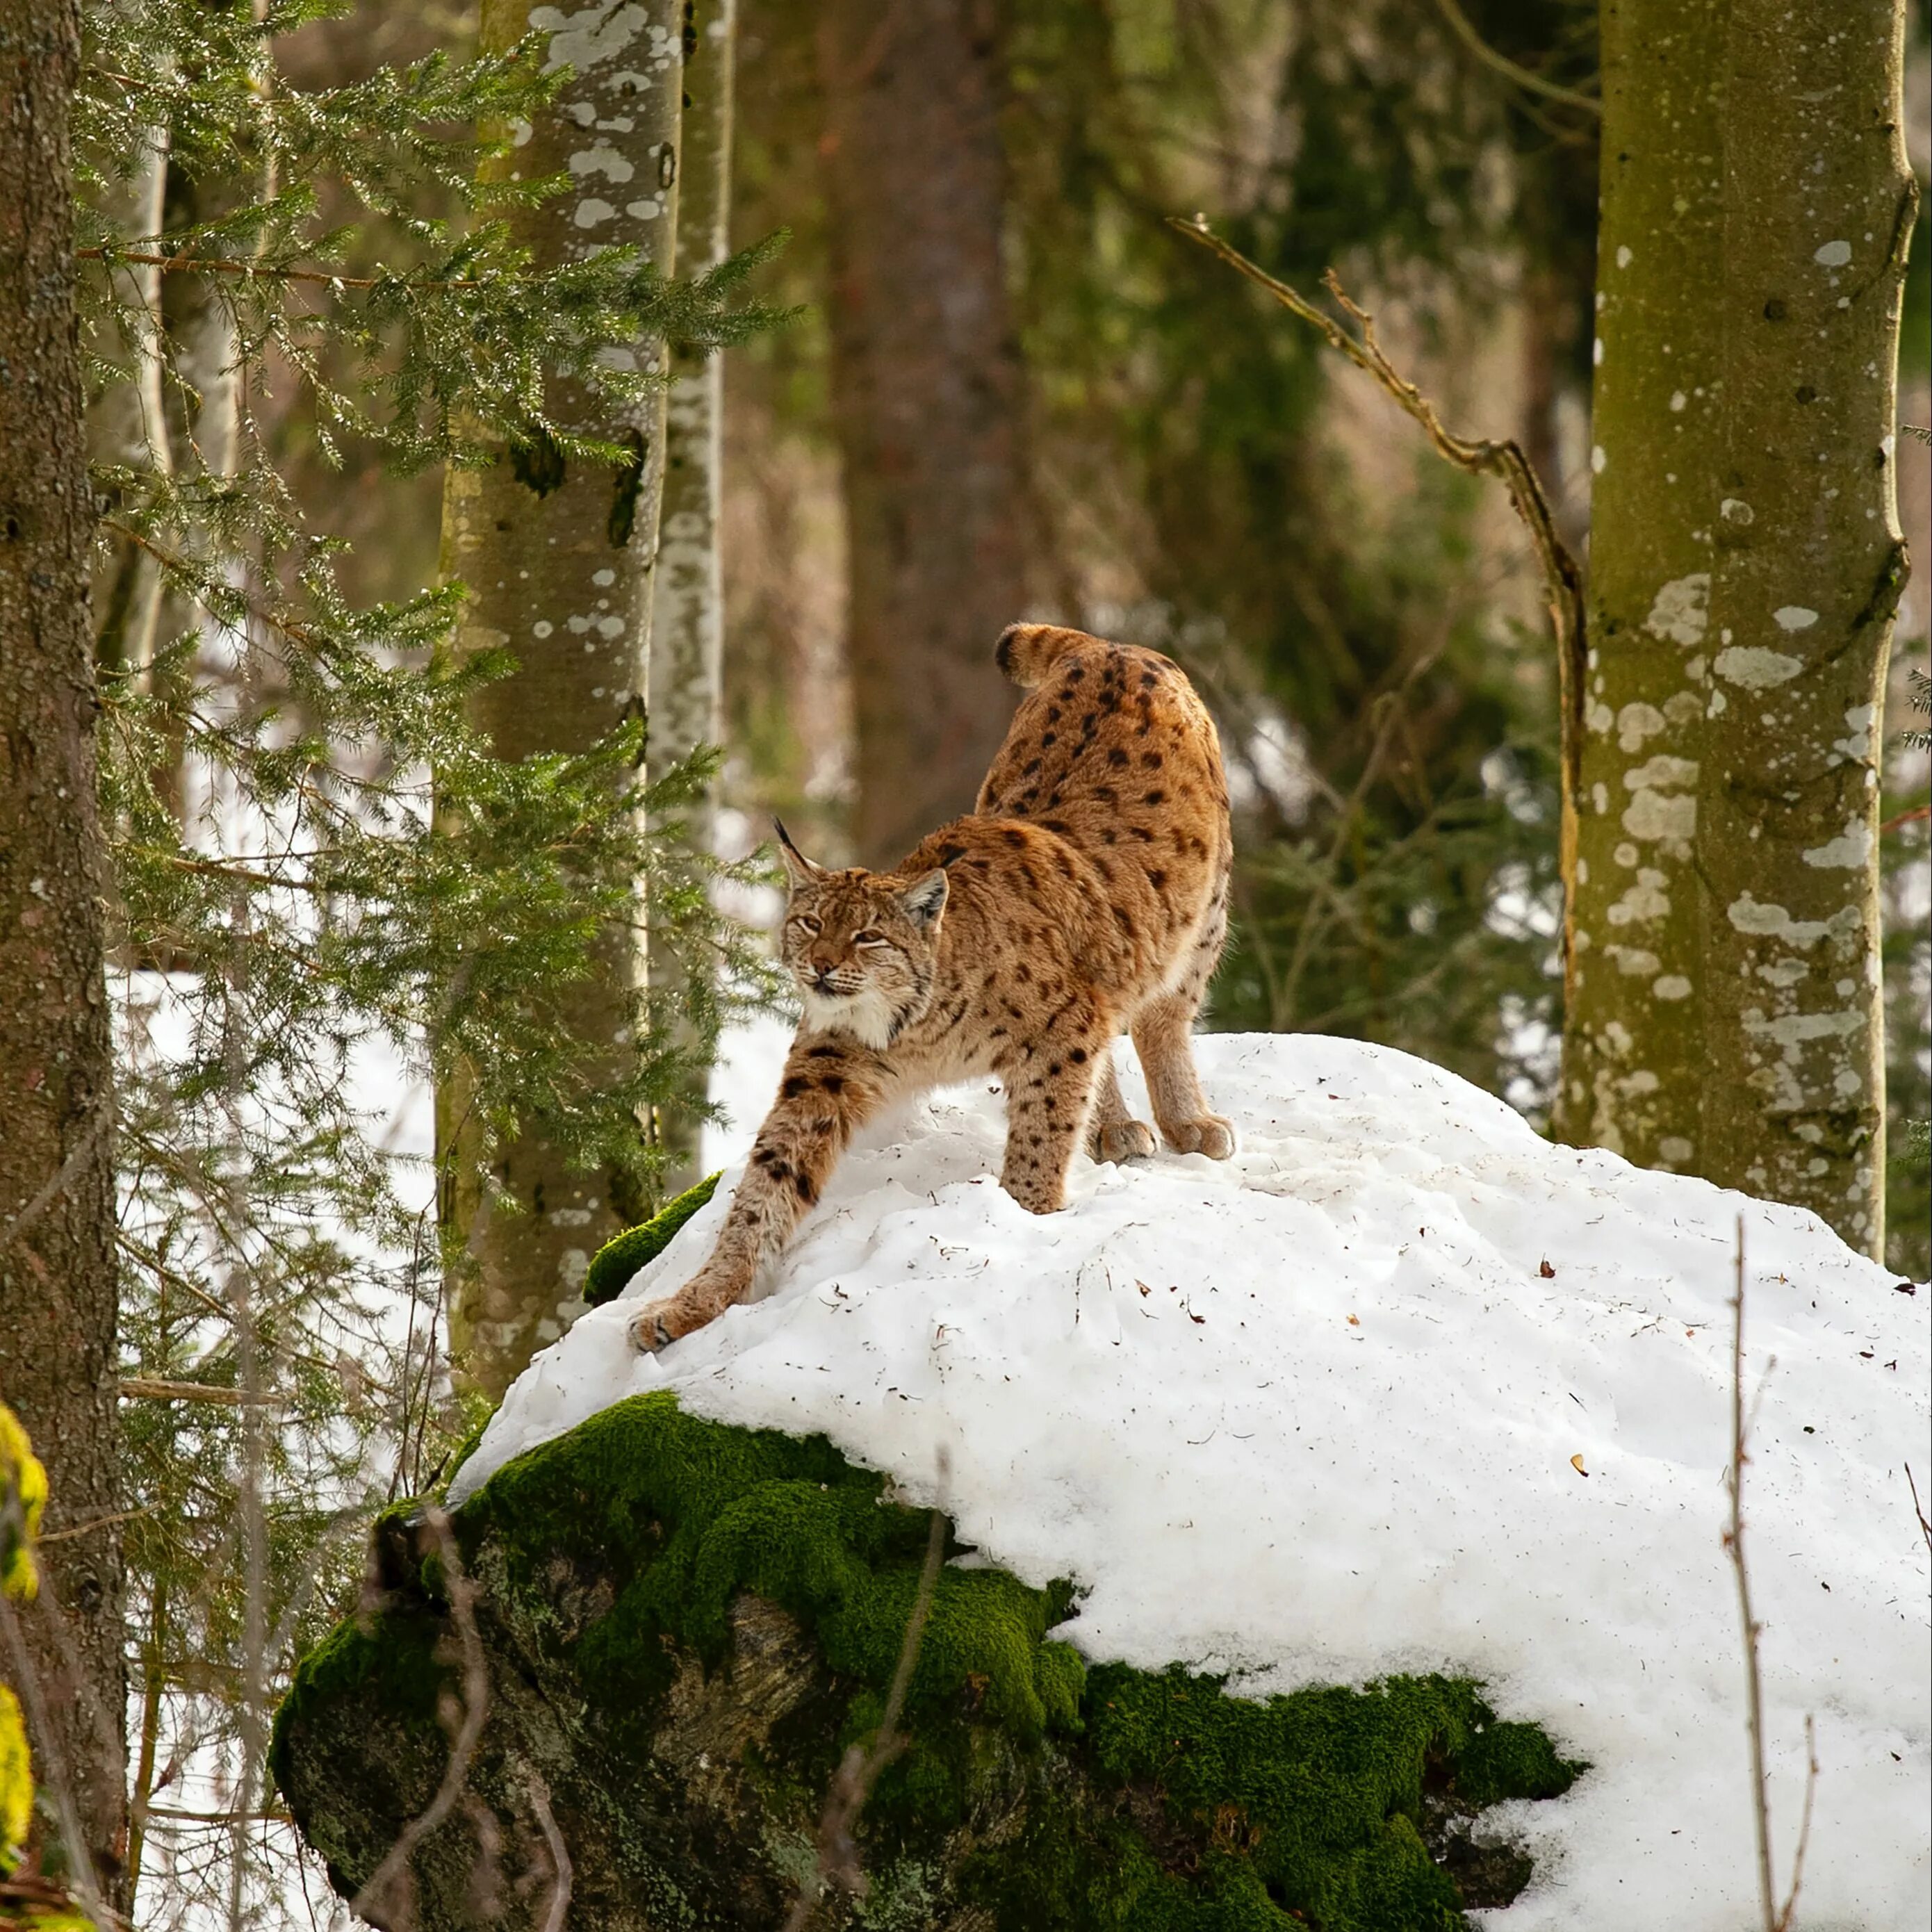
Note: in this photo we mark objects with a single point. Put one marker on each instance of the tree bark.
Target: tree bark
(57, 1289)
(925, 378)
(1745, 563)
(558, 559)
(688, 612)
(1810, 562)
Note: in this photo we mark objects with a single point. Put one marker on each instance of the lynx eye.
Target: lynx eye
(869, 937)
(808, 921)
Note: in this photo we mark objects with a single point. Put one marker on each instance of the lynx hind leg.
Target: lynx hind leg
(1112, 1132)
(1048, 1094)
(1163, 1037)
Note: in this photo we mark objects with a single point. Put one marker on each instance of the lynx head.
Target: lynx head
(862, 945)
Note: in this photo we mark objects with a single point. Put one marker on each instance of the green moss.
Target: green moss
(1048, 1796)
(617, 1260)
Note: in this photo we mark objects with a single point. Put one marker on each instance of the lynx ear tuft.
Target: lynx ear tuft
(925, 899)
(800, 869)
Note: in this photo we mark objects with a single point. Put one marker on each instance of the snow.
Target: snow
(1308, 1416)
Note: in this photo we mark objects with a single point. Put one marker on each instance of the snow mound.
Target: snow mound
(1321, 1413)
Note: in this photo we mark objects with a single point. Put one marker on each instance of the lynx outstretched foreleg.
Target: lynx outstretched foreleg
(829, 1088)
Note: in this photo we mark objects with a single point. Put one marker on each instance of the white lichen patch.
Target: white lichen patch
(1782, 973)
(1832, 254)
(604, 159)
(1634, 962)
(1857, 742)
(1773, 922)
(1671, 986)
(1681, 707)
(592, 210)
(1681, 609)
(1735, 510)
(1653, 815)
(1637, 722)
(1599, 718)
(1794, 617)
(1675, 1149)
(1660, 771)
(1851, 849)
(587, 39)
(1756, 668)
(1643, 902)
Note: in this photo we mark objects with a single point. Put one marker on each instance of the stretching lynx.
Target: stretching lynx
(1086, 896)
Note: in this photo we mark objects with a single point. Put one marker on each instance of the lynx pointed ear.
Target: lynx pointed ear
(800, 869)
(925, 899)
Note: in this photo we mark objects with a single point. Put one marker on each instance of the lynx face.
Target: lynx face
(861, 945)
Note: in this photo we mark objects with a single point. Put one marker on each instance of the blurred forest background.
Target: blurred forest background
(976, 377)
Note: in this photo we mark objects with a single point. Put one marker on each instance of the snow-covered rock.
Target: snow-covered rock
(1325, 1412)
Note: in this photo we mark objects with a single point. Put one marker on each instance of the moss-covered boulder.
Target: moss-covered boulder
(684, 1624)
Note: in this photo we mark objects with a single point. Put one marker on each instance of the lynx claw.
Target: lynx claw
(1210, 1135)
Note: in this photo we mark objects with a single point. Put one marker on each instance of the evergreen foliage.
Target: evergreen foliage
(324, 883)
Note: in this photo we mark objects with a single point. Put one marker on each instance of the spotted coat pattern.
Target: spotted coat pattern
(1085, 895)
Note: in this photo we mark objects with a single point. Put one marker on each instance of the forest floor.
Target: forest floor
(1401, 1386)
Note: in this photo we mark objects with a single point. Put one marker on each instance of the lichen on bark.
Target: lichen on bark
(686, 1624)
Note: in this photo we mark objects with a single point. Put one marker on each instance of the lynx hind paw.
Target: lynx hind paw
(1122, 1140)
(1210, 1135)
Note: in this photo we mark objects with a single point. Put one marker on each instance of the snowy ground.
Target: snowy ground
(1322, 1412)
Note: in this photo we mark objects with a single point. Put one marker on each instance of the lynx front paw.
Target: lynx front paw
(1121, 1140)
(1209, 1135)
(659, 1324)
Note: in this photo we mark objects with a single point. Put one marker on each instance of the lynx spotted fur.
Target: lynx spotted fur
(1085, 895)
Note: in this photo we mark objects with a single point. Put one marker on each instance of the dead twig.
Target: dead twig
(1777, 1918)
(1918, 1508)
(1504, 459)
(1461, 26)
(155, 1388)
(462, 1593)
(560, 1855)
(838, 1863)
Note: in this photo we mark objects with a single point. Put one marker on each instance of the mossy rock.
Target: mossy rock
(684, 1624)
(613, 1265)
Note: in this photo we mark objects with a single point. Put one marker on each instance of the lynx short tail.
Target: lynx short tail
(1026, 653)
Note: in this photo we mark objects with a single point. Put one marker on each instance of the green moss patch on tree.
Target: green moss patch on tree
(686, 1624)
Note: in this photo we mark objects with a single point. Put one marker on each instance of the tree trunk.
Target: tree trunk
(57, 1347)
(687, 613)
(1810, 563)
(1745, 561)
(558, 559)
(925, 377)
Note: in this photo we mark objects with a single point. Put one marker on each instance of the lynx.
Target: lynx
(1085, 895)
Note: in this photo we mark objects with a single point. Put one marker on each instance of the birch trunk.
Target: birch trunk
(925, 379)
(558, 558)
(1745, 561)
(57, 1288)
(688, 615)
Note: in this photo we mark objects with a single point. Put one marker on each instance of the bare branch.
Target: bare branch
(155, 1388)
(476, 1704)
(560, 1855)
(1460, 25)
(1784, 1917)
(1505, 461)
(1734, 1545)
(1918, 1508)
